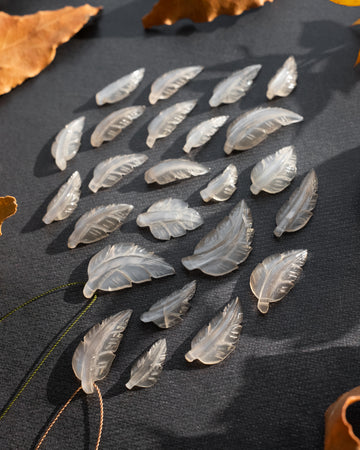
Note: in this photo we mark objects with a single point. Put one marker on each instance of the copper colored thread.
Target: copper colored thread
(56, 418)
(101, 416)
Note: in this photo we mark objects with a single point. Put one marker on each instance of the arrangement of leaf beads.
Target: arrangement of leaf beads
(169, 218)
(222, 187)
(67, 142)
(297, 211)
(119, 266)
(171, 170)
(98, 223)
(146, 371)
(65, 201)
(114, 124)
(235, 86)
(271, 280)
(112, 170)
(216, 341)
(94, 355)
(169, 83)
(284, 81)
(121, 88)
(275, 172)
(253, 127)
(227, 246)
(203, 132)
(169, 311)
(167, 120)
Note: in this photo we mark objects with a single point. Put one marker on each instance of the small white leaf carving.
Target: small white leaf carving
(202, 133)
(121, 88)
(222, 187)
(171, 170)
(284, 81)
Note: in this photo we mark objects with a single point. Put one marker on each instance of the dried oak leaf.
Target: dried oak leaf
(339, 434)
(8, 207)
(347, 2)
(170, 11)
(28, 43)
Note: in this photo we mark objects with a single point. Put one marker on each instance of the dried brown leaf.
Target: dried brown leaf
(8, 207)
(170, 11)
(339, 434)
(28, 43)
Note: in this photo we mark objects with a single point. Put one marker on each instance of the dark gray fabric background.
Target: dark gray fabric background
(290, 364)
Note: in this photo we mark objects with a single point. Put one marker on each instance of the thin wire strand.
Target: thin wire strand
(75, 283)
(101, 417)
(56, 418)
(41, 363)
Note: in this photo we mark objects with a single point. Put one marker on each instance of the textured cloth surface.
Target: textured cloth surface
(272, 392)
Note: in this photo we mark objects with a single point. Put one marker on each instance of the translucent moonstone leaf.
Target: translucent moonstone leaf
(217, 340)
(222, 187)
(235, 86)
(98, 223)
(224, 248)
(169, 311)
(169, 83)
(253, 127)
(167, 120)
(67, 142)
(169, 218)
(94, 355)
(171, 170)
(284, 81)
(114, 124)
(146, 371)
(297, 211)
(202, 133)
(65, 201)
(272, 279)
(275, 172)
(119, 266)
(121, 88)
(112, 170)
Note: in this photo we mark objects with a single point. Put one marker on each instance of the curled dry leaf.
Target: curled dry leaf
(339, 433)
(167, 12)
(28, 43)
(8, 207)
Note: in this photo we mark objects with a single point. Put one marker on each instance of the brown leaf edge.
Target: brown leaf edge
(167, 12)
(339, 434)
(8, 208)
(357, 22)
(45, 55)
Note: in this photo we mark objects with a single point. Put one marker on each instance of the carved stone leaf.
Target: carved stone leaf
(169, 311)
(121, 88)
(146, 371)
(171, 170)
(297, 211)
(170, 11)
(94, 355)
(202, 133)
(234, 87)
(114, 124)
(119, 266)
(222, 187)
(112, 170)
(167, 120)
(98, 223)
(224, 248)
(8, 208)
(169, 83)
(217, 340)
(65, 201)
(284, 81)
(169, 218)
(272, 279)
(67, 142)
(28, 43)
(275, 172)
(253, 127)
